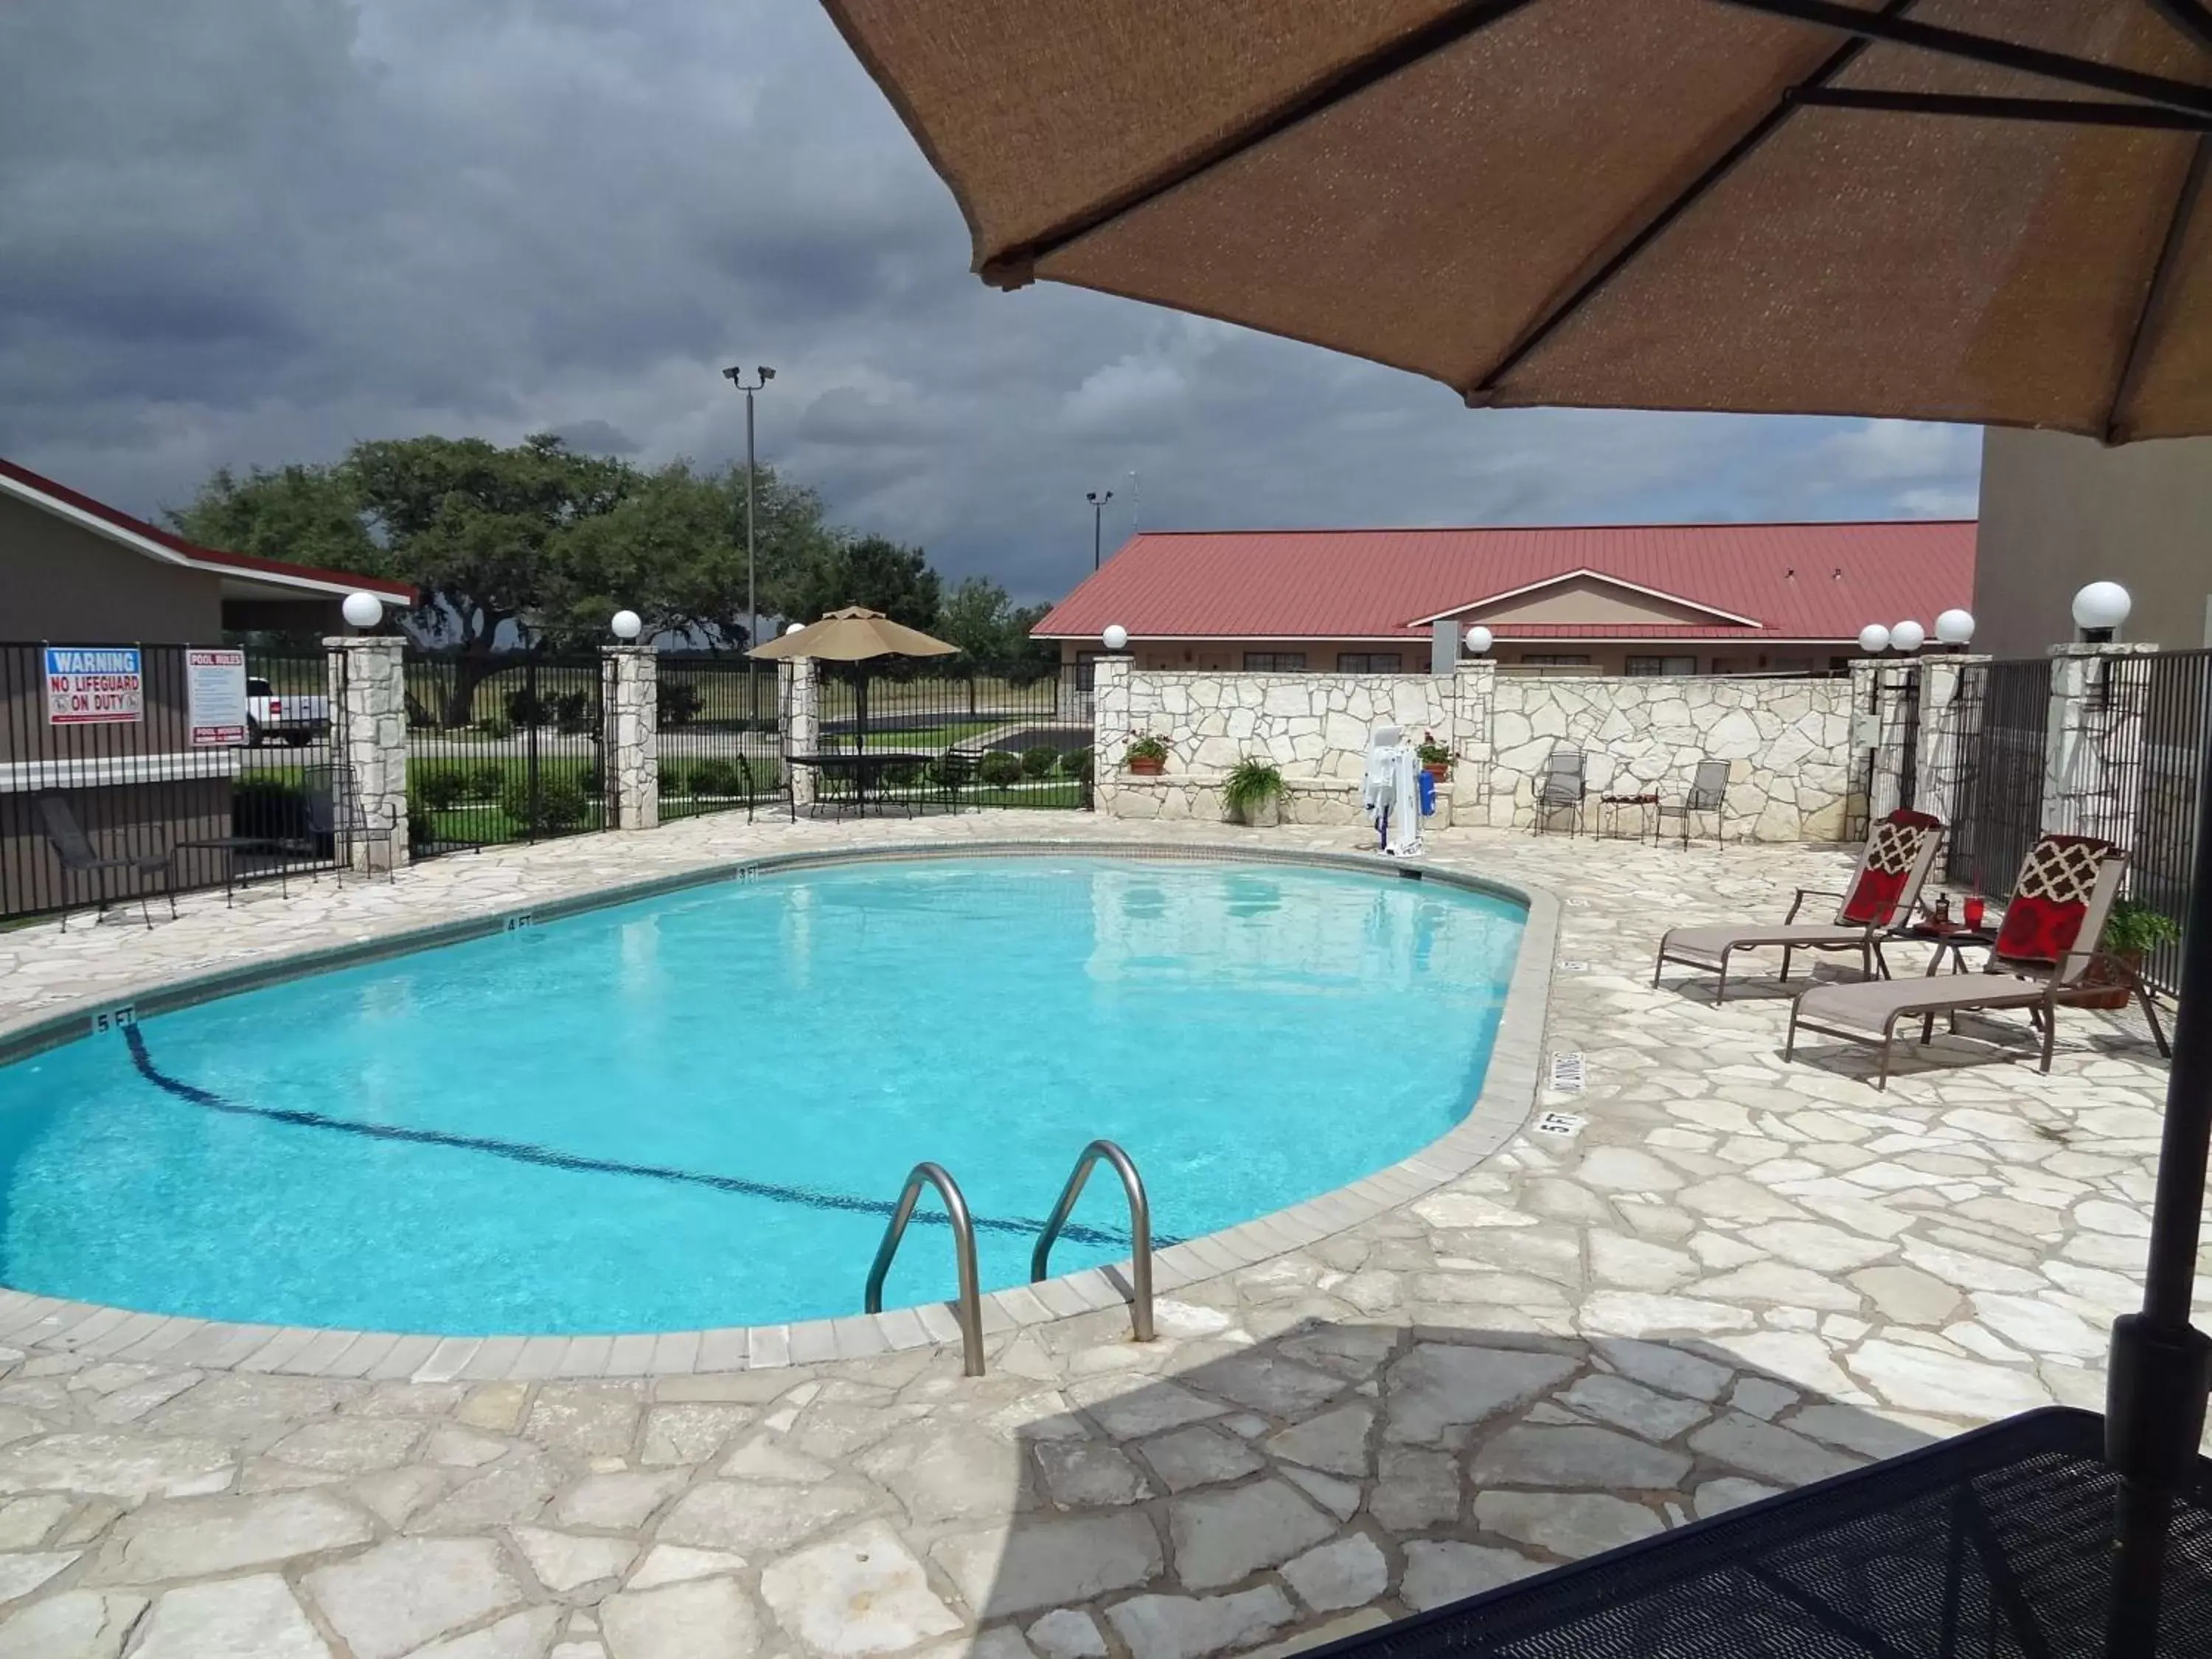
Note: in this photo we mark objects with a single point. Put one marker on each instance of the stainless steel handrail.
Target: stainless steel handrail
(1141, 1229)
(969, 1307)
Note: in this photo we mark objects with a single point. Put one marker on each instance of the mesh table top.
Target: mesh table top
(1997, 1544)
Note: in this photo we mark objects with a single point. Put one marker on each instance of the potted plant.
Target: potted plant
(1436, 758)
(2132, 931)
(1254, 794)
(1146, 755)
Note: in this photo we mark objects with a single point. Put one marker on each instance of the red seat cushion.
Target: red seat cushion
(2050, 900)
(1891, 853)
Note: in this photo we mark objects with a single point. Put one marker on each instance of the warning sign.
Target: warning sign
(215, 688)
(94, 685)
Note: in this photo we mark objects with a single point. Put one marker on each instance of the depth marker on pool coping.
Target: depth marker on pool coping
(522, 1151)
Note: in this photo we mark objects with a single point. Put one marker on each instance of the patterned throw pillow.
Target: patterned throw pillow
(2050, 900)
(1895, 848)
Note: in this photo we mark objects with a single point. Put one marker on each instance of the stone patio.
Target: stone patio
(1730, 1276)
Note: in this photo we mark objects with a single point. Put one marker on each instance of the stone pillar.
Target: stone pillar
(800, 694)
(1110, 728)
(2093, 742)
(1950, 730)
(368, 747)
(1474, 753)
(630, 744)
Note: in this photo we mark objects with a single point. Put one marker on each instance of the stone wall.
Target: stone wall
(1786, 740)
(1787, 743)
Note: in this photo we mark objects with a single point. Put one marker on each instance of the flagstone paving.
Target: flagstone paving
(1735, 1276)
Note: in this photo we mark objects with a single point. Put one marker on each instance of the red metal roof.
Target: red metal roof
(192, 553)
(1797, 581)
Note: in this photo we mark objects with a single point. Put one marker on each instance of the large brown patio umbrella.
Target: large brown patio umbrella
(1982, 210)
(1985, 210)
(855, 633)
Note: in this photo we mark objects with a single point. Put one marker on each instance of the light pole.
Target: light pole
(736, 377)
(1098, 498)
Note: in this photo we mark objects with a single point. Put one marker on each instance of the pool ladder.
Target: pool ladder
(968, 1308)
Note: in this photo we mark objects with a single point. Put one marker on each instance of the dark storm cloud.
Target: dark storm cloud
(249, 231)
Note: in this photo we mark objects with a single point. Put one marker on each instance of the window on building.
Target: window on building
(1791, 665)
(1371, 662)
(1274, 662)
(1554, 659)
(1655, 666)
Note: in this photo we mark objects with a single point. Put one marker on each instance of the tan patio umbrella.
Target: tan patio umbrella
(854, 634)
(1985, 210)
(1982, 211)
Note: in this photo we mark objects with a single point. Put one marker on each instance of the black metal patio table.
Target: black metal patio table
(863, 766)
(2003, 1543)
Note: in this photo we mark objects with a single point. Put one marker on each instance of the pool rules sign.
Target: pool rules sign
(214, 689)
(94, 685)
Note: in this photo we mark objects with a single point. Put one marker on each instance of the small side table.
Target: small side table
(1647, 816)
(1954, 941)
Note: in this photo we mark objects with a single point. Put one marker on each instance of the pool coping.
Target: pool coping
(1507, 1100)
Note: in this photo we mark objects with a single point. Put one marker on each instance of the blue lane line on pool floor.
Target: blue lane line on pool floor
(522, 1151)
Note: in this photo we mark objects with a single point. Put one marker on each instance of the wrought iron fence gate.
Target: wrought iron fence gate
(718, 724)
(504, 748)
(2162, 705)
(120, 775)
(2000, 797)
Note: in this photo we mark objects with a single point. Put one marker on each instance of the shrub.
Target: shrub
(1252, 783)
(2133, 928)
(678, 702)
(442, 790)
(485, 781)
(572, 711)
(1038, 763)
(998, 768)
(525, 707)
(676, 779)
(590, 782)
(900, 775)
(268, 806)
(496, 728)
(418, 713)
(560, 804)
(1076, 763)
(717, 777)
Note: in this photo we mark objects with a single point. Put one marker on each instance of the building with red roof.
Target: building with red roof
(1595, 599)
(72, 569)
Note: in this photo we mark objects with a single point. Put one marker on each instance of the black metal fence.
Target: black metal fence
(1999, 811)
(2155, 711)
(135, 769)
(1016, 736)
(718, 724)
(501, 749)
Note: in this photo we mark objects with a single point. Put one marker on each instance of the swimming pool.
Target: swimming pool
(694, 1110)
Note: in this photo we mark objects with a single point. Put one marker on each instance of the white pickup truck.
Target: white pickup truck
(296, 717)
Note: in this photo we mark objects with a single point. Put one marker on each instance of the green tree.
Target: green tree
(981, 618)
(866, 570)
(301, 514)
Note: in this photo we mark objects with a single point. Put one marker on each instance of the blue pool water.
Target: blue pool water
(694, 1110)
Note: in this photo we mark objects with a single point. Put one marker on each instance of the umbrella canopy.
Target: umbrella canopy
(854, 635)
(1984, 210)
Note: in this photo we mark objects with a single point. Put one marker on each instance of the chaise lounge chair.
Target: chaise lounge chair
(1883, 892)
(2041, 960)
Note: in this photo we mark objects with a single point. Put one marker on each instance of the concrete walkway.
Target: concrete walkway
(1723, 1276)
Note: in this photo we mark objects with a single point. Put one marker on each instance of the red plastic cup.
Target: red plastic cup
(1976, 910)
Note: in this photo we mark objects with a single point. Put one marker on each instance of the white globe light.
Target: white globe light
(1954, 627)
(796, 628)
(1478, 639)
(1116, 637)
(362, 610)
(2101, 604)
(1908, 636)
(1874, 638)
(628, 624)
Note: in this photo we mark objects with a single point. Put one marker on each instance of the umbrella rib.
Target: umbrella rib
(1885, 26)
(2068, 112)
(2163, 280)
(2192, 17)
(1485, 389)
(1016, 267)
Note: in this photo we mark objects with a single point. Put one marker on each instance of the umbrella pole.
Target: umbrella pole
(2161, 1365)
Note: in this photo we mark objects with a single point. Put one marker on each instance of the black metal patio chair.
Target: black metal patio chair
(78, 857)
(1708, 793)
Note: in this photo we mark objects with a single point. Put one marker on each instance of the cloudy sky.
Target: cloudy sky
(240, 232)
